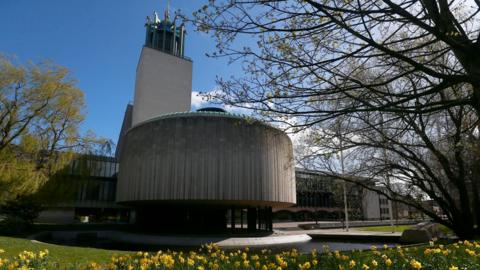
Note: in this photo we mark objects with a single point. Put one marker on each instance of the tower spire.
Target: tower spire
(167, 11)
(164, 35)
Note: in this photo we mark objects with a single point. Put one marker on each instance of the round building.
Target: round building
(205, 171)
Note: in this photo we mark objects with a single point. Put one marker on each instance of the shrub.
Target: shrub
(18, 215)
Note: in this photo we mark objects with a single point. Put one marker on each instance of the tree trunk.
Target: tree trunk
(476, 98)
(466, 232)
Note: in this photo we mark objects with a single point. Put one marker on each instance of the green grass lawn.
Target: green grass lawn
(65, 256)
(398, 228)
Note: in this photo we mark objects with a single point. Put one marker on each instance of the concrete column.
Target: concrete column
(252, 219)
(232, 219)
(270, 219)
(241, 218)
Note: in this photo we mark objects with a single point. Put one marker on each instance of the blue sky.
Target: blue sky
(100, 42)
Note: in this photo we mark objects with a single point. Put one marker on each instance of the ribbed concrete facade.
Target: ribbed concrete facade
(206, 158)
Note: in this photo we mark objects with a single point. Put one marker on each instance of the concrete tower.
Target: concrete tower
(164, 76)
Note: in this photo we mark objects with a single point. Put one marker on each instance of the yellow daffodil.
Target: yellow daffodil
(304, 266)
(415, 264)
(470, 252)
(181, 259)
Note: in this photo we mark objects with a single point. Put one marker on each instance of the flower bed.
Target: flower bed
(461, 255)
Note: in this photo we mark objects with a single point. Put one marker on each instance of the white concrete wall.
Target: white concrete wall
(163, 85)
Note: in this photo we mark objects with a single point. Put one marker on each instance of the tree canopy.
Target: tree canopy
(310, 51)
(394, 85)
(41, 109)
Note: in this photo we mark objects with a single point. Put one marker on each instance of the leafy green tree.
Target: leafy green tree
(41, 109)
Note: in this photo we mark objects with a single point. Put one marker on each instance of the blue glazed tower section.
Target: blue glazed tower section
(164, 35)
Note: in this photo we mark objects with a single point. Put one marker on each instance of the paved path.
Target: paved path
(226, 241)
(353, 234)
(339, 224)
(284, 233)
(351, 231)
